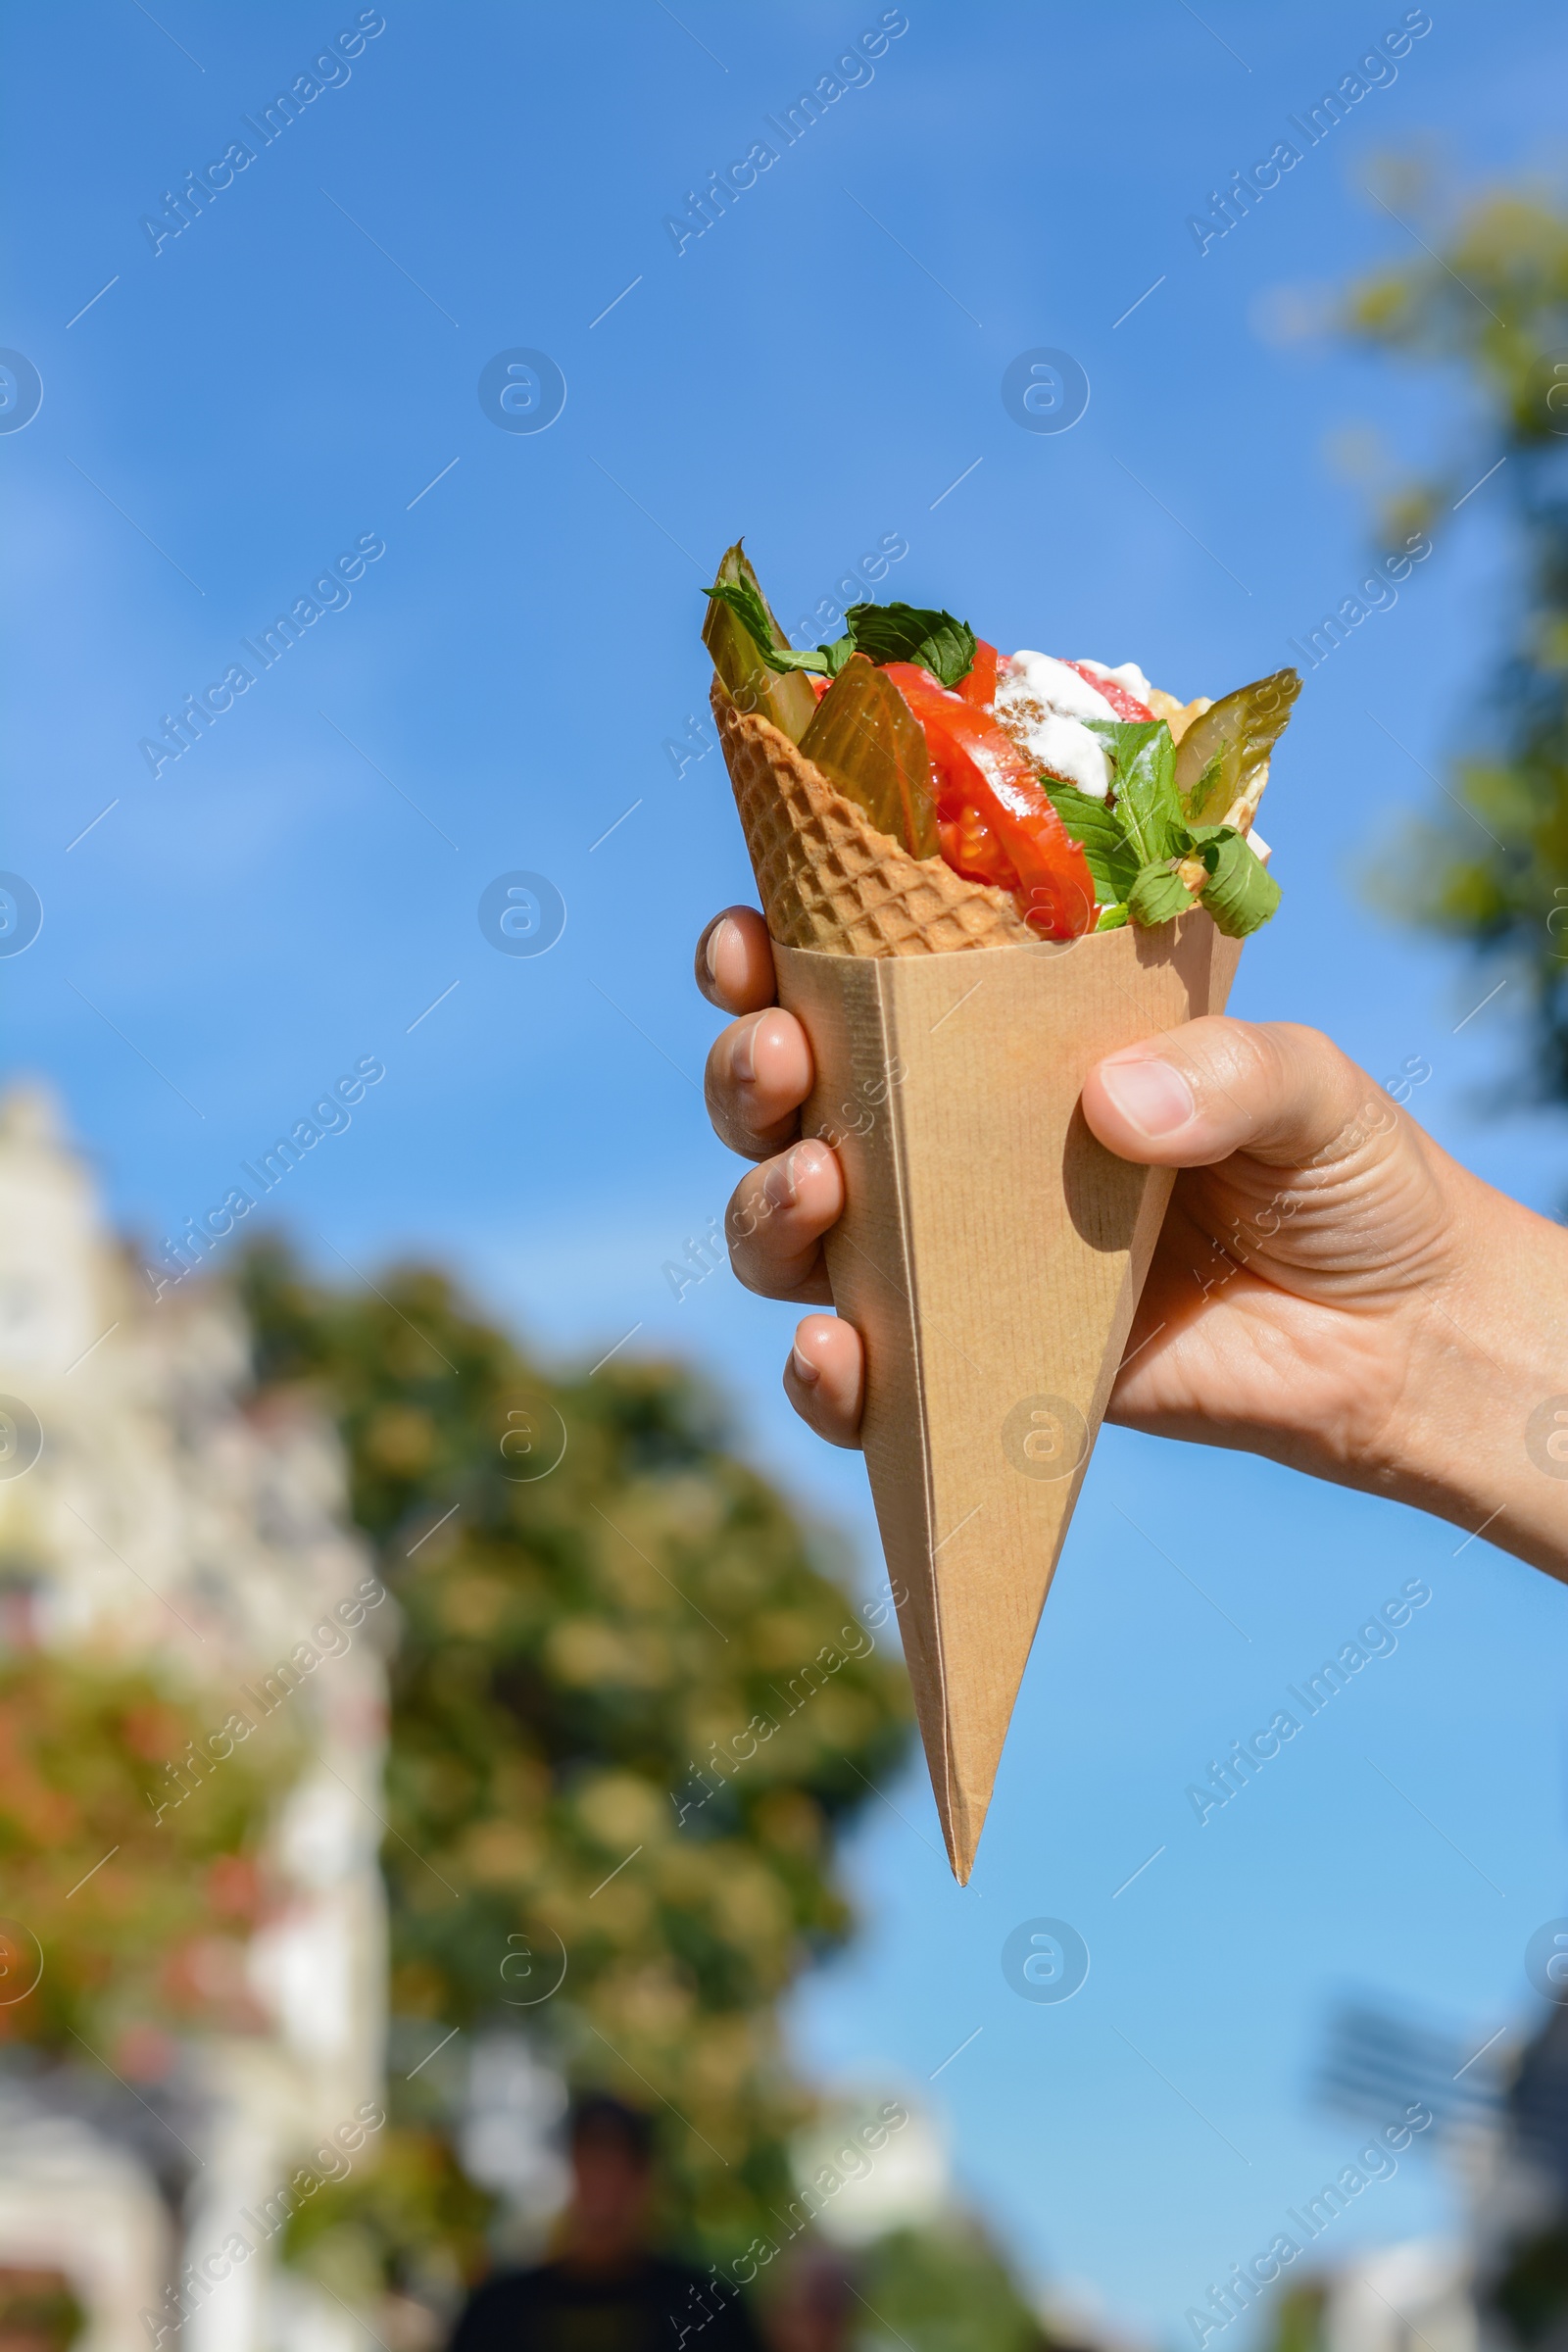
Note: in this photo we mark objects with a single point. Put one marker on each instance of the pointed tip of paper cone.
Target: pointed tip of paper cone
(963, 1809)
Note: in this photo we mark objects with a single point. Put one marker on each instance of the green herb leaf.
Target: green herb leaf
(914, 633)
(826, 660)
(1158, 894)
(1099, 832)
(885, 632)
(1142, 761)
(1240, 893)
(1111, 918)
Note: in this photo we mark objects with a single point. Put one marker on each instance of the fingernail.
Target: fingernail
(710, 951)
(742, 1064)
(780, 1181)
(804, 1371)
(1151, 1096)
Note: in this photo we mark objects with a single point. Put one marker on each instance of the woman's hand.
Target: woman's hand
(1329, 1288)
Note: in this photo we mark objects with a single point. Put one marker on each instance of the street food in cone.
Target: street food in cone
(908, 790)
(908, 793)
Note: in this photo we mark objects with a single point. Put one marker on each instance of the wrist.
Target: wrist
(1482, 1438)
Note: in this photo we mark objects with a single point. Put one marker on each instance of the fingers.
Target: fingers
(824, 1378)
(734, 963)
(759, 1074)
(1195, 1095)
(776, 1221)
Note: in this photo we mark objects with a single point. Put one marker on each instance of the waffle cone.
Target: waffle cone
(828, 879)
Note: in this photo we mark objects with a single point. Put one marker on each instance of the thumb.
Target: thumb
(1192, 1095)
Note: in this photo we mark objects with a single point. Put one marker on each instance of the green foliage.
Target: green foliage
(1297, 2318)
(412, 2222)
(1532, 2292)
(942, 2290)
(39, 2311)
(630, 1715)
(138, 1899)
(1493, 303)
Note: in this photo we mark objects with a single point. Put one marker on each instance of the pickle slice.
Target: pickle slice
(784, 697)
(1221, 757)
(867, 741)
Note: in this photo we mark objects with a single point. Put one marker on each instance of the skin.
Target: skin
(1329, 1289)
(605, 2223)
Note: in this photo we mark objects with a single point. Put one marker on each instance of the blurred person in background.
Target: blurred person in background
(604, 2290)
(814, 2306)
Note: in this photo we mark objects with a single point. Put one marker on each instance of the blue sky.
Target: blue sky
(297, 374)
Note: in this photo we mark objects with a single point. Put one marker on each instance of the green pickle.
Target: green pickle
(867, 741)
(786, 698)
(1218, 758)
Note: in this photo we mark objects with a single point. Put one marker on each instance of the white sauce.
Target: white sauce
(1060, 688)
(1042, 704)
(1128, 675)
(1068, 749)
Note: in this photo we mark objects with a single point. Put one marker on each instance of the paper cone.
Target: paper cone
(990, 1252)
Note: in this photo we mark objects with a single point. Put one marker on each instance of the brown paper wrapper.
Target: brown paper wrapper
(990, 1252)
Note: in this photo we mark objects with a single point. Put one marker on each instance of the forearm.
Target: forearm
(1482, 1438)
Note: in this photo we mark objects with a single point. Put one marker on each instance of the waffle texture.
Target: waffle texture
(828, 879)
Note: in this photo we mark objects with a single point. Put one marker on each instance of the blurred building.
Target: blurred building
(1499, 2283)
(168, 1517)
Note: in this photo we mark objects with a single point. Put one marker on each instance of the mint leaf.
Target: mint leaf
(748, 608)
(1240, 893)
(1158, 894)
(1100, 834)
(825, 660)
(1111, 918)
(885, 632)
(1142, 761)
(914, 633)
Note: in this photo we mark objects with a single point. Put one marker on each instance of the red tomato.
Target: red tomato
(1125, 705)
(980, 686)
(990, 806)
(973, 851)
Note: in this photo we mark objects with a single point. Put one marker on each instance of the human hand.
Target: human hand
(1329, 1289)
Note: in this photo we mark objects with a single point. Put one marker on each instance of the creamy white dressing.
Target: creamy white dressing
(1047, 680)
(1065, 748)
(1128, 674)
(1043, 705)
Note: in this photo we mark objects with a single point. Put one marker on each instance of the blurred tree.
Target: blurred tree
(629, 1716)
(39, 2311)
(1493, 303)
(1532, 2291)
(128, 1903)
(1295, 2322)
(944, 2289)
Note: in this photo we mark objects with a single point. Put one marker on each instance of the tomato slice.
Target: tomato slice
(973, 851)
(1124, 704)
(980, 686)
(991, 807)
